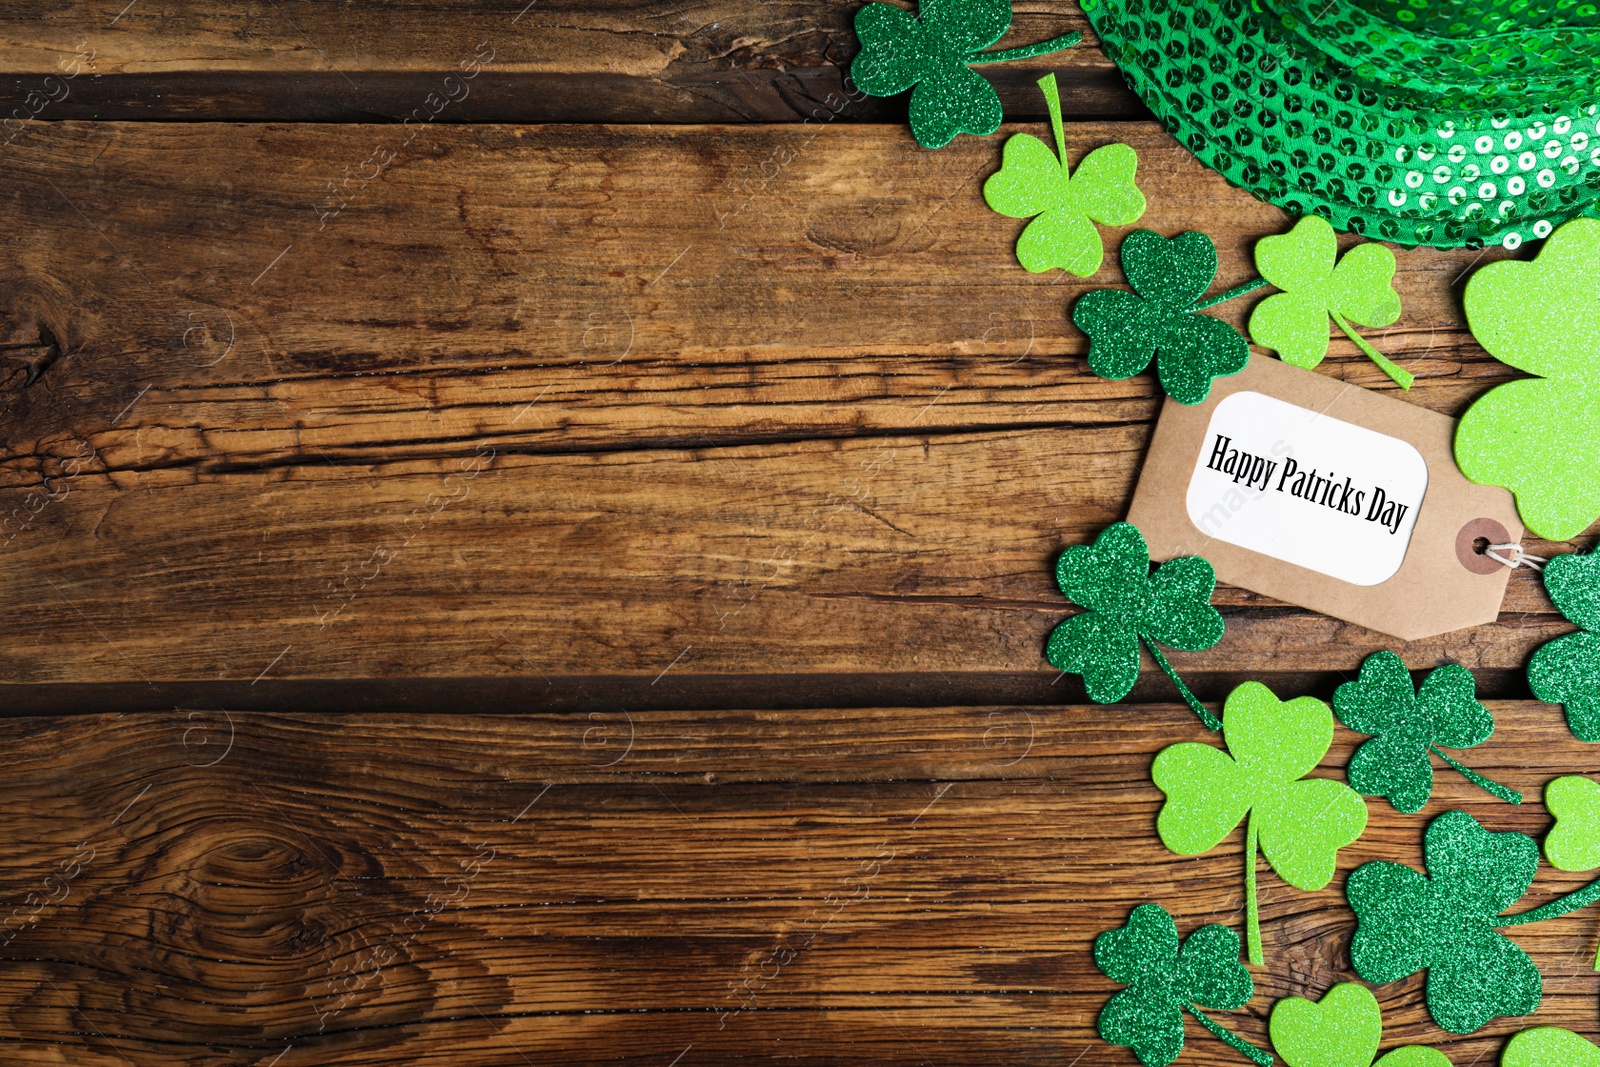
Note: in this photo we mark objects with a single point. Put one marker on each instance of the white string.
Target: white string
(1519, 557)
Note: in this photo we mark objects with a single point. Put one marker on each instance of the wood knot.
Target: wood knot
(256, 930)
(27, 349)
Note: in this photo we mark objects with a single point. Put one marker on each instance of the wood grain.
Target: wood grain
(645, 61)
(507, 414)
(890, 886)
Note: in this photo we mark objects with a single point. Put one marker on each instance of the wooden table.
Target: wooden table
(562, 578)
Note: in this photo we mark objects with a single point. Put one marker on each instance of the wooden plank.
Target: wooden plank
(508, 415)
(549, 61)
(889, 886)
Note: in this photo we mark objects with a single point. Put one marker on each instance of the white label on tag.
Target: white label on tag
(1307, 489)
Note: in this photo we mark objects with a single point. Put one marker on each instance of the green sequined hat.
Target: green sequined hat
(1424, 122)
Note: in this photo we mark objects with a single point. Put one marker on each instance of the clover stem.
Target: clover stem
(1252, 912)
(1027, 51)
(1402, 377)
(1505, 793)
(1559, 906)
(1238, 290)
(1211, 721)
(1231, 1039)
(1052, 98)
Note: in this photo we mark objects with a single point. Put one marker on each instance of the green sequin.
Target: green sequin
(1469, 122)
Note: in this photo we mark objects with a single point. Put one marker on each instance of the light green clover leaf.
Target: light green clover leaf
(1573, 843)
(1167, 977)
(1034, 182)
(1341, 1030)
(1299, 823)
(1408, 725)
(1127, 603)
(1549, 1046)
(1540, 438)
(1566, 671)
(1161, 319)
(931, 51)
(1317, 285)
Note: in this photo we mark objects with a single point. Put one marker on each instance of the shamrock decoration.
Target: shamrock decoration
(1127, 603)
(1034, 181)
(1539, 437)
(1573, 843)
(1566, 671)
(1549, 1046)
(1445, 921)
(1407, 725)
(1342, 1030)
(1318, 285)
(1166, 979)
(1160, 319)
(932, 53)
(1299, 825)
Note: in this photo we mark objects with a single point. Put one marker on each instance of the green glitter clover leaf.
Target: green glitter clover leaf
(1299, 823)
(1128, 603)
(1539, 437)
(932, 53)
(1446, 922)
(1160, 319)
(1343, 1029)
(1166, 978)
(1034, 182)
(1566, 671)
(1317, 285)
(1408, 724)
(1549, 1046)
(1573, 843)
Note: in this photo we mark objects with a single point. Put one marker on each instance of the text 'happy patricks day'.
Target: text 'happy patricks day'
(1251, 471)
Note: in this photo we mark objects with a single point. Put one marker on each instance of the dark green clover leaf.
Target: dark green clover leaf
(932, 53)
(1160, 319)
(1446, 922)
(1165, 978)
(1566, 671)
(1127, 603)
(1408, 725)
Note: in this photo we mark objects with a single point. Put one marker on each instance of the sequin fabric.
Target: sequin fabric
(1418, 122)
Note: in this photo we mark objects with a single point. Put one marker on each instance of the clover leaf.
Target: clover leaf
(1446, 922)
(1160, 319)
(1573, 843)
(1034, 182)
(1128, 603)
(1407, 725)
(1341, 1030)
(931, 53)
(1566, 671)
(1299, 823)
(1539, 437)
(1165, 978)
(1549, 1046)
(1318, 285)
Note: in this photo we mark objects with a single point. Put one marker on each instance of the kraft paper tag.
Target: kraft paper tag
(1323, 494)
